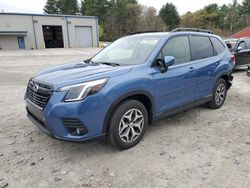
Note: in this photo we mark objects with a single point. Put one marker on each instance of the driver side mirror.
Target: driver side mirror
(239, 49)
(164, 64)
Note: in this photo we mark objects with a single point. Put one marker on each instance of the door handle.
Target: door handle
(191, 69)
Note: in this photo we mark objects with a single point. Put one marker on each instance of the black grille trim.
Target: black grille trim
(38, 93)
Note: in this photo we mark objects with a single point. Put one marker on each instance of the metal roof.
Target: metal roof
(48, 15)
(19, 33)
(243, 33)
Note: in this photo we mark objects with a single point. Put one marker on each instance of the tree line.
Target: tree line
(224, 20)
(119, 17)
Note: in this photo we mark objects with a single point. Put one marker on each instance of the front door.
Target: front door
(242, 57)
(21, 43)
(176, 87)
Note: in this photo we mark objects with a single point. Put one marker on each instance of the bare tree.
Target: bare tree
(150, 21)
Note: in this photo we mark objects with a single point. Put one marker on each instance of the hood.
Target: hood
(77, 72)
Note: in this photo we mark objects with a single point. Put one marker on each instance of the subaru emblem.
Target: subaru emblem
(35, 88)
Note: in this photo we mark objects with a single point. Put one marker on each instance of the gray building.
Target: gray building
(39, 31)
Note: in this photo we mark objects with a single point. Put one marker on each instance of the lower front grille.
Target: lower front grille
(41, 123)
(74, 126)
(38, 93)
(38, 122)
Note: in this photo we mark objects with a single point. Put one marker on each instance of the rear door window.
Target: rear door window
(247, 43)
(218, 46)
(201, 47)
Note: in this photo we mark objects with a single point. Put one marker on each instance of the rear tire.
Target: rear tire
(128, 124)
(219, 94)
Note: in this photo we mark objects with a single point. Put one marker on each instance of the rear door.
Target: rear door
(205, 62)
(242, 57)
(175, 88)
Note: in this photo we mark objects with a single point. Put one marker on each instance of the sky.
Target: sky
(36, 6)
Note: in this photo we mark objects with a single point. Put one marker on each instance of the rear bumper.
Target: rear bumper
(244, 66)
(90, 113)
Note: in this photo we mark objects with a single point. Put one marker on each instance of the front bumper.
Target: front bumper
(90, 112)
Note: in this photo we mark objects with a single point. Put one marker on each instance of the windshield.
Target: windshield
(129, 50)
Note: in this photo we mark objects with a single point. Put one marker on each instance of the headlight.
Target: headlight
(81, 91)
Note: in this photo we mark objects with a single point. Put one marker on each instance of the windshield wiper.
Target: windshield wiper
(90, 61)
(110, 64)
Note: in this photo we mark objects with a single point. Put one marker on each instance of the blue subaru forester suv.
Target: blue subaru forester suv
(129, 84)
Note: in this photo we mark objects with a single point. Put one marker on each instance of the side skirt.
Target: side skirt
(185, 107)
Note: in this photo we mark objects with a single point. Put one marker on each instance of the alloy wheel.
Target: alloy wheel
(131, 125)
(220, 94)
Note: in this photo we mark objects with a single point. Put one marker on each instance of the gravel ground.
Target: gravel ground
(196, 148)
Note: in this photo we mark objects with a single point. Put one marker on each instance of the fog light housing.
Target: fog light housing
(74, 127)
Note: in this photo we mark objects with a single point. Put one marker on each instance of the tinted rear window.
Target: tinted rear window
(201, 47)
(218, 46)
(247, 43)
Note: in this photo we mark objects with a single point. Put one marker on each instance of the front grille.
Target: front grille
(38, 93)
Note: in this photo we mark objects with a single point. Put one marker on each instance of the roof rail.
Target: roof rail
(192, 29)
(139, 32)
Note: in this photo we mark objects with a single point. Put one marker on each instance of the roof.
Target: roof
(161, 34)
(230, 40)
(166, 34)
(177, 30)
(149, 34)
(48, 15)
(243, 33)
(182, 29)
(20, 33)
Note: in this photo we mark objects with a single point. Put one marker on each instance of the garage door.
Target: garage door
(9, 43)
(84, 37)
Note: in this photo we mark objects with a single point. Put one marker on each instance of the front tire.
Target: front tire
(219, 94)
(128, 124)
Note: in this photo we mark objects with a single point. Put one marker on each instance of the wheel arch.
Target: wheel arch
(143, 96)
(227, 77)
